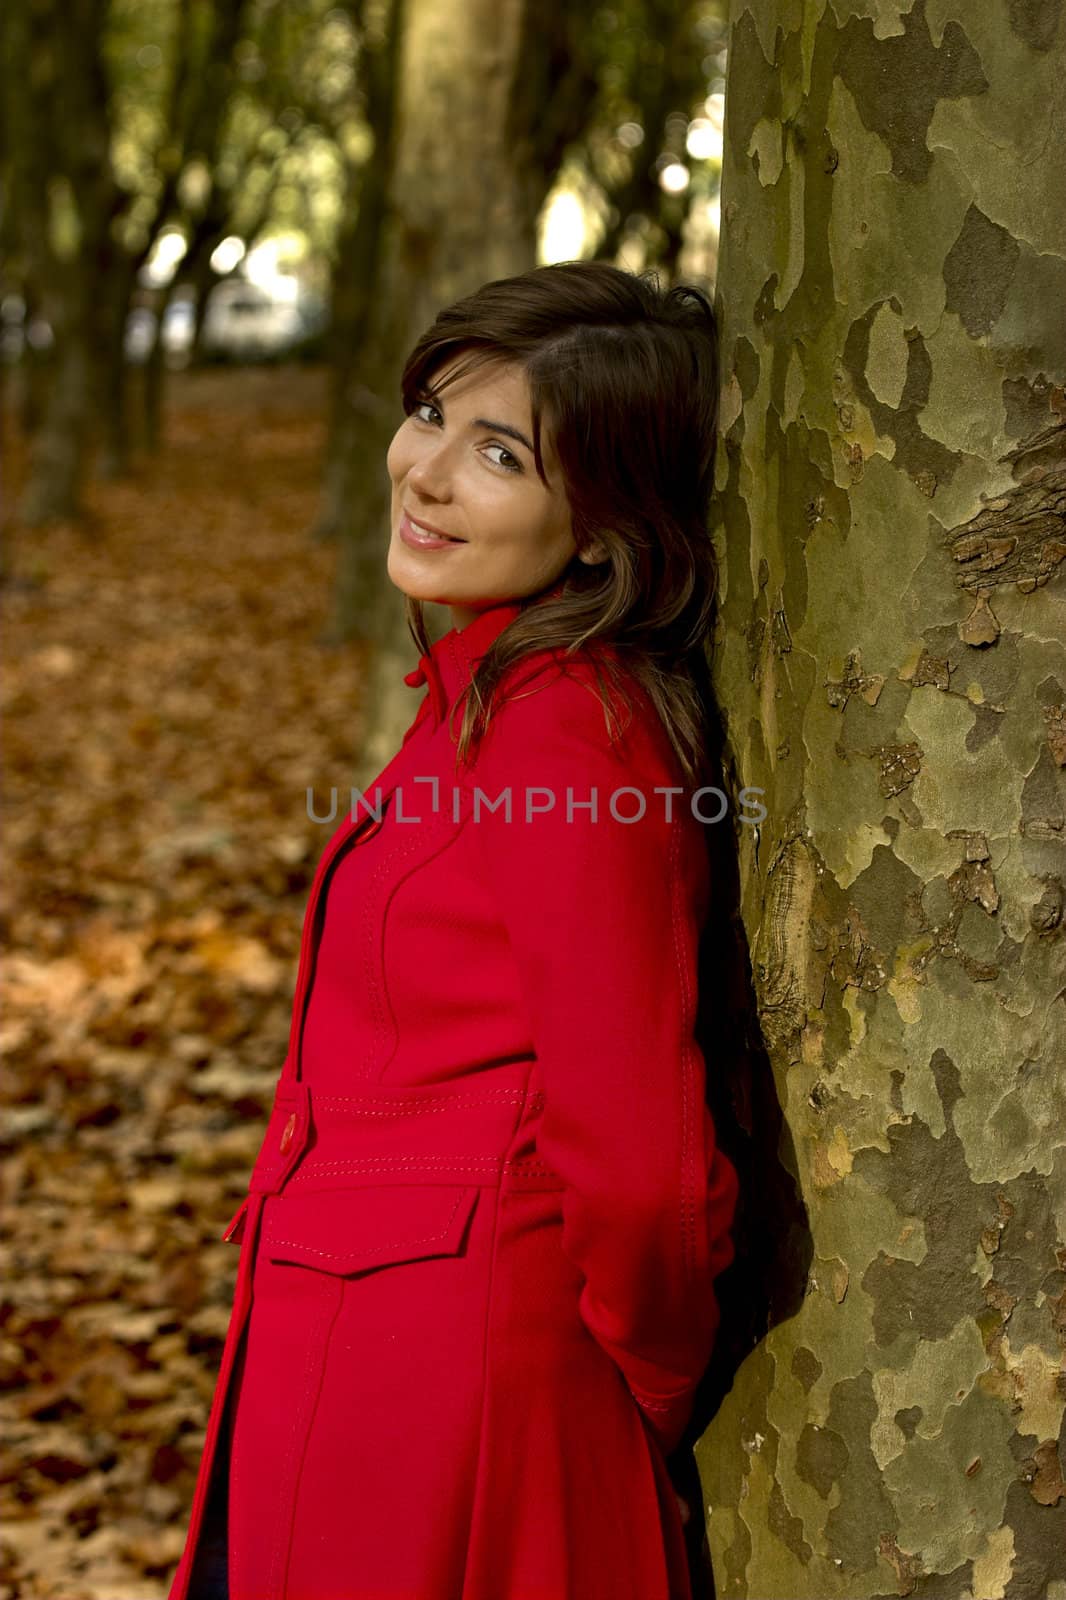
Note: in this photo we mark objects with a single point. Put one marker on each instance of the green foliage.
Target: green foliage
(267, 124)
(250, 117)
(657, 62)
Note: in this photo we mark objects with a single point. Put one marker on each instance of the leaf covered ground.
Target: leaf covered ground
(166, 704)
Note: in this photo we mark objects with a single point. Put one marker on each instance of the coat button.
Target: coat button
(286, 1137)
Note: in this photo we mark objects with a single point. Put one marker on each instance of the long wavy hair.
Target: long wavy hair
(625, 375)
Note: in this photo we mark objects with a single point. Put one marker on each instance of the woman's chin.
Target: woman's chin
(420, 578)
(410, 578)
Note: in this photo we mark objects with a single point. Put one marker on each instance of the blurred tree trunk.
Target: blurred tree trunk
(892, 480)
(83, 239)
(485, 99)
(113, 309)
(30, 375)
(154, 375)
(64, 200)
(198, 107)
(212, 225)
(364, 212)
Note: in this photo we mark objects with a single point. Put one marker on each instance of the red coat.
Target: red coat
(481, 1233)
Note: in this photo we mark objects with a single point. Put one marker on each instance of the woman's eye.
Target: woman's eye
(511, 464)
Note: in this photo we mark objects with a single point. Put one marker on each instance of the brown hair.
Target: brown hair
(626, 375)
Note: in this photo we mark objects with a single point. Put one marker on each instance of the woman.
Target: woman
(475, 1290)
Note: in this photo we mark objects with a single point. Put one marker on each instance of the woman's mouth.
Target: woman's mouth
(419, 538)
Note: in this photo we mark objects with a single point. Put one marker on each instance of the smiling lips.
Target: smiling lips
(419, 537)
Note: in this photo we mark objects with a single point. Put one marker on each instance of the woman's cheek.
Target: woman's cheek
(398, 455)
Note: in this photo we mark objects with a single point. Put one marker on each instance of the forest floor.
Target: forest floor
(166, 702)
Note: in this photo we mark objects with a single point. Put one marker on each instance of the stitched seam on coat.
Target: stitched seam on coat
(283, 1542)
(369, 1250)
(330, 1324)
(383, 1000)
(430, 1105)
(688, 1218)
(376, 991)
(397, 1163)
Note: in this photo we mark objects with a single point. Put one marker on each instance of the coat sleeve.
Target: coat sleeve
(604, 918)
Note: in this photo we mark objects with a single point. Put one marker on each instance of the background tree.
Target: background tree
(279, 101)
(893, 674)
(158, 137)
(62, 200)
(203, 119)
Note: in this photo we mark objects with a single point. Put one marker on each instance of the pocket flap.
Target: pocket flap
(356, 1230)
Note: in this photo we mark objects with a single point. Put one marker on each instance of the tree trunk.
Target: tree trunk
(66, 199)
(365, 210)
(154, 375)
(474, 156)
(32, 369)
(892, 481)
(58, 450)
(113, 309)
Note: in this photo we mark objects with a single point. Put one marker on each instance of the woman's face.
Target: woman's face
(462, 465)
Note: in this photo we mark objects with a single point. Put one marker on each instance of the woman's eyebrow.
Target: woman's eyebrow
(502, 427)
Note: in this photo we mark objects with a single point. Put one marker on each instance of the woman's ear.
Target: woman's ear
(593, 553)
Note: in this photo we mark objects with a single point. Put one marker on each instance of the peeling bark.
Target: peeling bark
(892, 673)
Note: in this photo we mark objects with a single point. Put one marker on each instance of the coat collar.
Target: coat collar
(449, 664)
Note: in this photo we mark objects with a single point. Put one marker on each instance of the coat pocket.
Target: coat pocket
(345, 1231)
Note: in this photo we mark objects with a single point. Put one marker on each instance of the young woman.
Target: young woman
(475, 1289)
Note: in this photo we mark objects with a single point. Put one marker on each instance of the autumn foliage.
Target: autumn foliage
(167, 704)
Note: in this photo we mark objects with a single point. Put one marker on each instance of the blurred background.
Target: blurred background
(222, 225)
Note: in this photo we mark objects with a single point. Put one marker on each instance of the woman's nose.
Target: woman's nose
(431, 472)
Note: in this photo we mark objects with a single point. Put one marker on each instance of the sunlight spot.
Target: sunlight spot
(225, 256)
(674, 178)
(563, 228)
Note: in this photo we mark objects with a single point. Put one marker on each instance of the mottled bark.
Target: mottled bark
(893, 674)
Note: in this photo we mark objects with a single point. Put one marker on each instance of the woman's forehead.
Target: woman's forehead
(482, 370)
